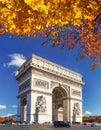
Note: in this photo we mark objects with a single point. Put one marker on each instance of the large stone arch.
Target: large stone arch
(60, 88)
(60, 103)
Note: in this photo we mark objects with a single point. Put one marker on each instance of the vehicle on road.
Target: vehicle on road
(61, 124)
(95, 124)
(8, 123)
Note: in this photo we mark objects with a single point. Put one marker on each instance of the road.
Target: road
(33, 127)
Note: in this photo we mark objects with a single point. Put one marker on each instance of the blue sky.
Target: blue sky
(12, 49)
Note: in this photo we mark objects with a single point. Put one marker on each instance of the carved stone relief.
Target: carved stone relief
(41, 84)
(76, 92)
(41, 104)
(76, 109)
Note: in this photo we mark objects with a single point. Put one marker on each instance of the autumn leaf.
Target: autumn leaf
(66, 23)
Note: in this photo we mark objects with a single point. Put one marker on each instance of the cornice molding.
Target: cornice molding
(50, 67)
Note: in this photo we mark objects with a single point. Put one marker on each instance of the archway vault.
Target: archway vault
(61, 87)
(59, 103)
(59, 92)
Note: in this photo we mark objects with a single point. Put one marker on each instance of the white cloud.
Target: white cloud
(14, 106)
(88, 113)
(16, 60)
(15, 72)
(9, 114)
(2, 106)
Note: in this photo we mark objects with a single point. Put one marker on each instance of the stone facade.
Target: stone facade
(48, 92)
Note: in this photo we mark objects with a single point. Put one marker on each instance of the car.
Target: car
(95, 124)
(8, 123)
(61, 124)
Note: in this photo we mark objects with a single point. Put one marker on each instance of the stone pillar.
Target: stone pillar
(49, 108)
(24, 113)
(65, 112)
(19, 110)
(53, 111)
(70, 110)
(30, 102)
(81, 114)
(28, 107)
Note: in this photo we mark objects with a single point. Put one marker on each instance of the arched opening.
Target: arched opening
(59, 104)
(24, 110)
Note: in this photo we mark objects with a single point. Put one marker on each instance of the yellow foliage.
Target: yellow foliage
(40, 14)
(31, 16)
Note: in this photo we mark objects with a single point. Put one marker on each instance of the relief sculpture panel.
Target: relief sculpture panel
(76, 109)
(41, 84)
(76, 93)
(41, 104)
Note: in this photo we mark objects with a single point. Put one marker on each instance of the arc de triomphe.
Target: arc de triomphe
(48, 92)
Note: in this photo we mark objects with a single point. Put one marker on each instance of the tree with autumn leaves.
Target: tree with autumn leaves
(64, 23)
